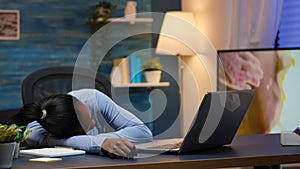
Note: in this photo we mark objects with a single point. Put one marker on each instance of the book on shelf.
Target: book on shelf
(126, 70)
(135, 68)
(120, 72)
(115, 75)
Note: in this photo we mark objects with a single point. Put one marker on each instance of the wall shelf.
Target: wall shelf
(144, 84)
(129, 20)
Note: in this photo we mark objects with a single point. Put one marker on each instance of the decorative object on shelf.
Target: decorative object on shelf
(10, 137)
(99, 14)
(152, 70)
(130, 10)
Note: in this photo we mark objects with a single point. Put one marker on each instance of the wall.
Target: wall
(237, 24)
(203, 13)
(52, 33)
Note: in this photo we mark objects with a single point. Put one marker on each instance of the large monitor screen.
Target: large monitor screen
(275, 74)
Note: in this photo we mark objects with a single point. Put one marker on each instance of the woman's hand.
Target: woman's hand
(118, 148)
(242, 70)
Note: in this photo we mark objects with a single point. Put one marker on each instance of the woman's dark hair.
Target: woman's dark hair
(60, 120)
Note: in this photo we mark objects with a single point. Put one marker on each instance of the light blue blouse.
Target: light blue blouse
(107, 114)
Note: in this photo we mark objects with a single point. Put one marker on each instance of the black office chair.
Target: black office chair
(52, 80)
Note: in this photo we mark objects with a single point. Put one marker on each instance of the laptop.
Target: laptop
(214, 125)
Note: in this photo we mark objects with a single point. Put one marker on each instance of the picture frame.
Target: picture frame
(9, 24)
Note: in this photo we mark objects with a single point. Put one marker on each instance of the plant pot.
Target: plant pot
(17, 150)
(153, 76)
(6, 155)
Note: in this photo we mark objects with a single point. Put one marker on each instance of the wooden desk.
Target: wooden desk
(254, 150)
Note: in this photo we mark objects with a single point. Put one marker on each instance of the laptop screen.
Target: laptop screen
(275, 74)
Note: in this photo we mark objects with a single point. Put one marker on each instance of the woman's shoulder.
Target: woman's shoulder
(92, 97)
(79, 91)
(85, 93)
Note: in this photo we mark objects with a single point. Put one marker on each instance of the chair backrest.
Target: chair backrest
(53, 80)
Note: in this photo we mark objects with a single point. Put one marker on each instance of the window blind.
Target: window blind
(289, 29)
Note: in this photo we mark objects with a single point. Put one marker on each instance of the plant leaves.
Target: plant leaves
(13, 133)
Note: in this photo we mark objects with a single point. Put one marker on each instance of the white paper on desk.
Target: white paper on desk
(53, 152)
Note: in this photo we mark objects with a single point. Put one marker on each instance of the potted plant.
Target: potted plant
(99, 14)
(10, 137)
(152, 70)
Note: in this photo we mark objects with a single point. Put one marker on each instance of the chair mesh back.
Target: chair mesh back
(43, 83)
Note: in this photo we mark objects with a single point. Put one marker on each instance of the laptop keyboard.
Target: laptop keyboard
(168, 146)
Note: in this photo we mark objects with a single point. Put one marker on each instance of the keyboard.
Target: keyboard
(167, 146)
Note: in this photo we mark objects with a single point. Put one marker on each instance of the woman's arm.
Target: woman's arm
(125, 123)
(38, 136)
(41, 138)
(129, 129)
